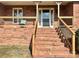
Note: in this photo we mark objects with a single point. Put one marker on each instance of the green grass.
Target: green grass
(14, 51)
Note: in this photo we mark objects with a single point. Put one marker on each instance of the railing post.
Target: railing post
(73, 45)
(33, 45)
(58, 6)
(34, 35)
(36, 16)
(36, 11)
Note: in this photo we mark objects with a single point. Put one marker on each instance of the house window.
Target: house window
(17, 12)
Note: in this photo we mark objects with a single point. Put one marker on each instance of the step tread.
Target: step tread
(48, 44)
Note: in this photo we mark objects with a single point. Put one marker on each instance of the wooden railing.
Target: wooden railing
(10, 17)
(66, 17)
(65, 34)
(34, 36)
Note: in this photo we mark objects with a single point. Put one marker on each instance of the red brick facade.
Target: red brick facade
(70, 9)
(76, 14)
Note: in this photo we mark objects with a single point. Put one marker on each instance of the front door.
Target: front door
(46, 18)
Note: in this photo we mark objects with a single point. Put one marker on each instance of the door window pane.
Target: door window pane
(45, 18)
(46, 14)
(45, 22)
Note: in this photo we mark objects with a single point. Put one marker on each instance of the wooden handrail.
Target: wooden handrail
(34, 36)
(66, 17)
(9, 17)
(73, 35)
(67, 26)
(36, 26)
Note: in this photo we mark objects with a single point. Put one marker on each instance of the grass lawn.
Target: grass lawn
(14, 51)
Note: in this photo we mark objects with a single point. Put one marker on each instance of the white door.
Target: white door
(46, 18)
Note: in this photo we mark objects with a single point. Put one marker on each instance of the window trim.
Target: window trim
(17, 15)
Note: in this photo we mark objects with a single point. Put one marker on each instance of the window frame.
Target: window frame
(17, 15)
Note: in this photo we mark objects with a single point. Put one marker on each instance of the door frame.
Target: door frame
(51, 26)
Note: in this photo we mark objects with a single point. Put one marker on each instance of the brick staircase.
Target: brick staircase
(48, 44)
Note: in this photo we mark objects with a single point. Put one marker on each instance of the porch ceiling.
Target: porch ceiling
(30, 2)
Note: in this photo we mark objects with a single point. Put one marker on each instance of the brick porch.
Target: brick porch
(16, 36)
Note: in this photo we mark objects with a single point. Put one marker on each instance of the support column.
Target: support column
(73, 45)
(37, 11)
(58, 5)
(37, 3)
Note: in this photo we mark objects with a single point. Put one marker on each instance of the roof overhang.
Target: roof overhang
(31, 2)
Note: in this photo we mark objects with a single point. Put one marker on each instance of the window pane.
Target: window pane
(46, 14)
(15, 12)
(40, 17)
(20, 12)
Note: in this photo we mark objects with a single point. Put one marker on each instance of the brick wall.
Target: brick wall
(76, 14)
(28, 10)
(1, 9)
(67, 10)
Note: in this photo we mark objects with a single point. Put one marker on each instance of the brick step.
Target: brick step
(52, 49)
(40, 35)
(63, 56)
(46, 30)
(47, 39)
(51, 33)
(38, 32)
(41, 45)
(60, 52)
(62, 49)
(49, 54)
(42, 55)
(53, 56)
(44, 40)
(48, 43)
(43, 49)
(52, 29)
(57, 52)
